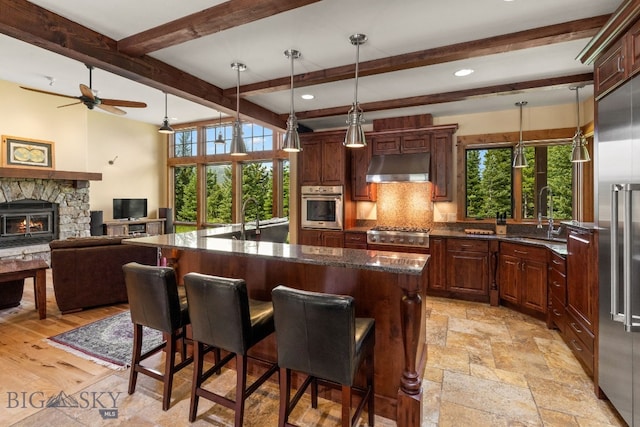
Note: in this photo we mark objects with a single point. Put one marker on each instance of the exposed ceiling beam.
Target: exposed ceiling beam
(558, 33)
(32, 24)
(459, 95)
(232, 13)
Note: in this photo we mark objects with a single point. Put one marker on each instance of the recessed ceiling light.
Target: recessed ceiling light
(307, 96)
(463, 72)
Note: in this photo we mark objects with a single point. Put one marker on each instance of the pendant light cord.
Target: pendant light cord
(292, 59)
(238, 93)
(520, 142)
(165, 106)
(355, 94)
(577, 110)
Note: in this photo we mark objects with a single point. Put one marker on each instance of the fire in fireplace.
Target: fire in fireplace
(27, 222)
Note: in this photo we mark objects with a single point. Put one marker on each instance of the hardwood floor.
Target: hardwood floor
(488, 366)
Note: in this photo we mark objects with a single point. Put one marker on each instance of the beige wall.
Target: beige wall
(86, 140)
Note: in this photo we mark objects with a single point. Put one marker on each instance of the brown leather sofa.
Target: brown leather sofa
(87, 271)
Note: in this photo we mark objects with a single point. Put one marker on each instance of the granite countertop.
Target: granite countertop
(558, 246)
(213, 240)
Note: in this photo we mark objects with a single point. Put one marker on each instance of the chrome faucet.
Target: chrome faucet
(244, 208)
(551, 231)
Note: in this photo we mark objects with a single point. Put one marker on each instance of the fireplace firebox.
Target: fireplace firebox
(27, 222)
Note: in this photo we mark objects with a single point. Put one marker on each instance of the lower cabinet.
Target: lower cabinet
(459, 268)
(333, 239)
(522, 278)
(557, 315)
(355, 239)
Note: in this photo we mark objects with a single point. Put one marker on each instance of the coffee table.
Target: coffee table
(21, 269)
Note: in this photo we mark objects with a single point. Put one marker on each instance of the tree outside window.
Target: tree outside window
(219, 193)
(489, 184)
(185, 201)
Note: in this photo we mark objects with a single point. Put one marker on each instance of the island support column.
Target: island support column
(410, 392)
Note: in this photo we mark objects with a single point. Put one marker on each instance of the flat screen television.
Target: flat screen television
(129, 208)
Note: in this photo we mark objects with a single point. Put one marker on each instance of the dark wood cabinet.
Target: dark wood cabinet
(469, 267)
(441, 166)
(355, 239)
(361, 190)
(618, 63)
(438, 264)
(436, 140)
(402, 142)
(459, 268)
(522, 277)
(557, 285)
(611, 68)
(334, 239)
(323, 160)
(582, 294)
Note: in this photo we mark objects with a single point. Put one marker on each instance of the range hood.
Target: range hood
(399, 168)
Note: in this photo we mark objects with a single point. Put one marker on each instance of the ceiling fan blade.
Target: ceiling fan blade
(86, 91)
(111, 109)
(49, 93)
(68, 105)
(123, 103)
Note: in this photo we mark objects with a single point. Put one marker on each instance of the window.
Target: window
(257, 184)
(185, 143)
(210, 192)
(257, 138)
(185, 202)
(492, 186)
(211, 134)
(219, 194)
(489, 185)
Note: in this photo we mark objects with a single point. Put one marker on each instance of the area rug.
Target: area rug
(108, 342)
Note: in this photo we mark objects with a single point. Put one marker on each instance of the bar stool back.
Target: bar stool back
(224, 317)
(154, 302)
(318, 335)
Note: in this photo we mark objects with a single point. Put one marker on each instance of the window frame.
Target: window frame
(581, 173)
(202, 160)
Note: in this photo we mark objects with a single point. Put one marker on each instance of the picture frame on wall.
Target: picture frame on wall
(19, 152)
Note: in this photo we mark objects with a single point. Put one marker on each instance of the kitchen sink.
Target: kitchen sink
(556, 244)
(277, 232)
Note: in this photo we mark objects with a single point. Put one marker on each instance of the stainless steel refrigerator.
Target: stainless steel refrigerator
(617, 169)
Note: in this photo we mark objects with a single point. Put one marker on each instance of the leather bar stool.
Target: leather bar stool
(319, 336)
(224, 317)
(154, 302)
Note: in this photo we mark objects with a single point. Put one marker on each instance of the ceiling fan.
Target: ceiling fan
(91, 100)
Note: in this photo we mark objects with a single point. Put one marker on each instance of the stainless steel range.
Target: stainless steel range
(404, 239)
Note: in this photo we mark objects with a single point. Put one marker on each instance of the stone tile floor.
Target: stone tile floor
(487, 366)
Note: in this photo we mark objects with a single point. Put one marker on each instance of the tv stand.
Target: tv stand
(134, 227)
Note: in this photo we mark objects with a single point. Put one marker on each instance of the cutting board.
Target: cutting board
(478, 231)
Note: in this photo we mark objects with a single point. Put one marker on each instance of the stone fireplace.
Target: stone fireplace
(65, 201)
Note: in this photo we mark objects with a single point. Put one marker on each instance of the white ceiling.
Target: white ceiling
(321, 31)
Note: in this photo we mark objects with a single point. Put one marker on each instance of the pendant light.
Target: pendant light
(237, 143)
(355, 135)
(220, 138)
(291, 141)
(165, 127)
(519, 158)
(579, 152)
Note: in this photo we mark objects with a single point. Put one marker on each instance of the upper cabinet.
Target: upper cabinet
(361, 190)
(398, 143)
(436, 140)
(323, 159)
(615, 50)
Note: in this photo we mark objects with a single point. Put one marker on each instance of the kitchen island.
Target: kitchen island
(387, 286)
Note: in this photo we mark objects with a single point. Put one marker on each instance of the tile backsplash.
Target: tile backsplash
(405, 204)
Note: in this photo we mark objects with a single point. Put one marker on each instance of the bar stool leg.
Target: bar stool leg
(137, 351)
